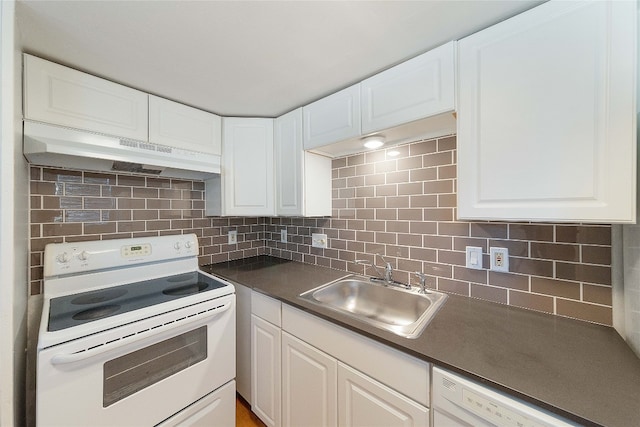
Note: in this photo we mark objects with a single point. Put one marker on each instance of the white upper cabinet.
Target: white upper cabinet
(418, 88)
(333, 118)
(413, 100)
(177, 125)
(59, 95)
(303, 180)
(247, 171)
(546, 115)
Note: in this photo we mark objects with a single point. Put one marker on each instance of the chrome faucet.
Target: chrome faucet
(370, 264)
(388, 270)
(387, 276)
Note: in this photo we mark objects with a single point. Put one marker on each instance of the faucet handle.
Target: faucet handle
(423, 281)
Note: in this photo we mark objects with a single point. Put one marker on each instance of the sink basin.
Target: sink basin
(401, 311)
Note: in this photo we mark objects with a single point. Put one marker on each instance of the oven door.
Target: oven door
(138, 374)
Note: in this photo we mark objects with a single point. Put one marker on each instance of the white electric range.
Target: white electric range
(134, 334)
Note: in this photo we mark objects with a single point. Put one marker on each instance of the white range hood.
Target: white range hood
(50, 145)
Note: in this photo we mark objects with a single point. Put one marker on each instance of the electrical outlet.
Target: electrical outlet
(499, 259)
(474, 257)
(233, 237)
(283, 235)
(319, 240)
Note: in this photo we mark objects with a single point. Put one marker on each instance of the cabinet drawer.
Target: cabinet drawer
(266, 308)
(390, 367)
(59, 95)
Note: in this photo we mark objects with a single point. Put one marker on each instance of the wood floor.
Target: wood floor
(244, 416)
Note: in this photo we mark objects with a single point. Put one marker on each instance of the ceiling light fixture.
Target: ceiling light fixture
(374, 141)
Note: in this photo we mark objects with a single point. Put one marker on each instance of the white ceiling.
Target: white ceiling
(246, 58)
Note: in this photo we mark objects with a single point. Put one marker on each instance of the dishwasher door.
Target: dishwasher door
(459, 402)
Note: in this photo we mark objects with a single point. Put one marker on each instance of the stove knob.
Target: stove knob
(83, 256)
(63, 258)
(187, 244)
(177, 245)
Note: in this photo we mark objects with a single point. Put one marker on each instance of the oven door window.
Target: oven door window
(135, 371)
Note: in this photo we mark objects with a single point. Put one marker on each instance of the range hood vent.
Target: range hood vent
(58, 146)
(135, 168)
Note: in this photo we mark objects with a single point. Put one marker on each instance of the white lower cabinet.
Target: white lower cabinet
(266, 359)
(364, 402)
(309, 372)
(309, 382)
(335, 377)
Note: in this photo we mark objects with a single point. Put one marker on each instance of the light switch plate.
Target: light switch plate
(499, 259)
(474, 257)
(283, 235)
(319, 240)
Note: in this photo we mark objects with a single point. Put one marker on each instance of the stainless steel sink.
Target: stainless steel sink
(401, 311)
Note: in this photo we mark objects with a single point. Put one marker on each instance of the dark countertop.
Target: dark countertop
(579, 370)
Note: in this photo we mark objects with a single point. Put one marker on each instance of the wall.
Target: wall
(13, 225)
(71, 206)
(404, 207)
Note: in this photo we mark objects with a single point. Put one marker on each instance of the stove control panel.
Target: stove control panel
(130, 251)
(68, 258)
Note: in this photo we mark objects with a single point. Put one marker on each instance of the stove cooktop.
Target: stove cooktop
(76, 309)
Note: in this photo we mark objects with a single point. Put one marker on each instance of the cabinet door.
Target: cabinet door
(177, 125)
(63, 96)
(332, 119)
(418, 88)
(289, 163)
(247, 175)
(309, 381)
(303, 179)
(365, 402)
(546, 115)
(265, 371)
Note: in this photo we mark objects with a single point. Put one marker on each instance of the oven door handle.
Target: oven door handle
(63, 359)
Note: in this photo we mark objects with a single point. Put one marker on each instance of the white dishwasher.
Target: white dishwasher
(458, 401)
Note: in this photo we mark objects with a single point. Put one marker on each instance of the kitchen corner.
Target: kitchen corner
(488, 152)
